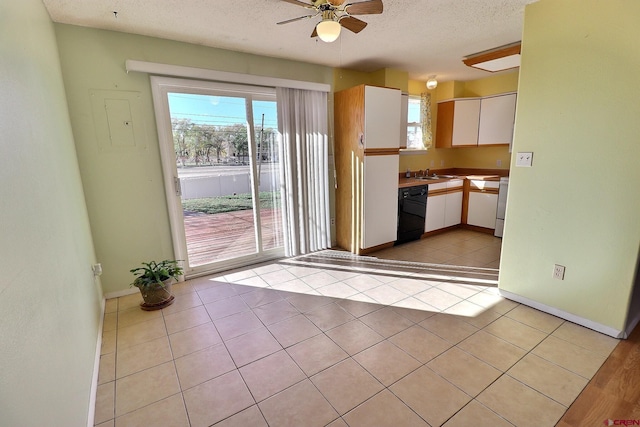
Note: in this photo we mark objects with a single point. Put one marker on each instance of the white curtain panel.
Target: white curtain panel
(303, 127)
(425, 119)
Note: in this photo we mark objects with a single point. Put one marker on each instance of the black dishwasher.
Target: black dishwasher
(412, 209)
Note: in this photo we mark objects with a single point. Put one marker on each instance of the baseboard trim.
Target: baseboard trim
(607, 330)
(96, 369)
(121, 293)
(631, 324)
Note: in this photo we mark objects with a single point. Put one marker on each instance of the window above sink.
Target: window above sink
(416, 113)
(414, 125)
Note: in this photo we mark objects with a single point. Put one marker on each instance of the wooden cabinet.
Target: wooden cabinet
(367, 123)
(471, 122)
(444, 205)
(497, 116)
(482, 203)
(458, 122)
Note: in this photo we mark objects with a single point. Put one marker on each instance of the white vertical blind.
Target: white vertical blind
(302, 122)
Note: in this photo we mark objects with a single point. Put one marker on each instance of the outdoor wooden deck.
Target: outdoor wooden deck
(216, 237)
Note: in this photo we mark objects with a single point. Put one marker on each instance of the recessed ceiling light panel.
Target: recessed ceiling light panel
(498, 59)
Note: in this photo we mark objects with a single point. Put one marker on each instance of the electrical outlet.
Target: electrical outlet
(558, 272)
(524, 159)
(498, 163)
(432, 163)
(333, 221)
(441, 162)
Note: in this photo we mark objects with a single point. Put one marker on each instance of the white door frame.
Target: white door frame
(161, 86)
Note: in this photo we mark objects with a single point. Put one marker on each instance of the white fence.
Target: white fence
(199, 187)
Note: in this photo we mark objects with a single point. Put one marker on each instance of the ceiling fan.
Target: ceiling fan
(335, 15)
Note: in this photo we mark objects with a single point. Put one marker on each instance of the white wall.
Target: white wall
(49, 302)
(578, 206)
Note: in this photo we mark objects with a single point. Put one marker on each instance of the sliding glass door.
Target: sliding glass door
(219, 145)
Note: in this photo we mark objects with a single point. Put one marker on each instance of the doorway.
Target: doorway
(219, 148)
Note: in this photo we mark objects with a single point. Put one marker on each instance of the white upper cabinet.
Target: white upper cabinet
(381, 117)
(497, 115)
(466, 117)
(472, 122)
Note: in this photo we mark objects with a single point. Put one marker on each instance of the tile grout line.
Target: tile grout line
(175, 367)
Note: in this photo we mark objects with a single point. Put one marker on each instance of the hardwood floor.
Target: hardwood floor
(613, 394)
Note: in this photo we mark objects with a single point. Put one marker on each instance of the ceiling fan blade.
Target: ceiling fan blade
(295, 19)
(352, 24)
(370, 7)
(315, 32)
(299, 3)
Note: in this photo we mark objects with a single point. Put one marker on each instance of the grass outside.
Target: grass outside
(231, 203)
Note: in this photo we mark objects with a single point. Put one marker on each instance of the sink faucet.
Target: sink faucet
(426, 172)
(419, 173)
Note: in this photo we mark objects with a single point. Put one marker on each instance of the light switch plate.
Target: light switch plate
(524, 159)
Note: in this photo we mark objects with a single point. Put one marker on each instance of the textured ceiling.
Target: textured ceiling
(423, 37)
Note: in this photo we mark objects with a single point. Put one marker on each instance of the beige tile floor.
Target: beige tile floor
(335, 340)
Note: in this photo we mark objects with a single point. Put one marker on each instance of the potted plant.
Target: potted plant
(154, 279)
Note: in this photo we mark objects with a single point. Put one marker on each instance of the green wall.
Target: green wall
(578, 205)
(124, 185)
(50, 304)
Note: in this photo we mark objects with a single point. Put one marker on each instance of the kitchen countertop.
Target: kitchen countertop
(483, 177)
(412, 182)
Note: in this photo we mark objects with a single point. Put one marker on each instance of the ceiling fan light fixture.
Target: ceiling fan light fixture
(328, 30)
(432, 83)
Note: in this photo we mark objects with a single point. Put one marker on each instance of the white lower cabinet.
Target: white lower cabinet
(380, 200)
(444, 205)
(453, 209)
(445, 200)
(482, 209)
(436, 207)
